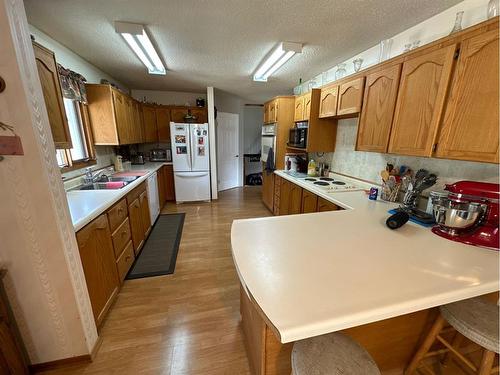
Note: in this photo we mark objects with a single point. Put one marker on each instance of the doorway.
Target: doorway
(228, 158)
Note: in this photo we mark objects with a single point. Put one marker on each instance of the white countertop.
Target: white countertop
(313, 274)
(86, 205)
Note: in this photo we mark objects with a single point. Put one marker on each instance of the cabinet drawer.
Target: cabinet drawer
(125, 261)
(117, 214)
(121, 236)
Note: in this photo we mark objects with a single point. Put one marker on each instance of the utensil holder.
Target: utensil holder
(390, 193)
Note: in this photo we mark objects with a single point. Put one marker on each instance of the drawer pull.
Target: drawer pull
(124, 233)
(120, 209)
(127, 258)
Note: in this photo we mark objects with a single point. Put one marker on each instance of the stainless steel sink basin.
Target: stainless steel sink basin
(102, 186)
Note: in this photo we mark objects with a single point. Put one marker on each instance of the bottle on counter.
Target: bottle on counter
(118, 163)
(311, 168)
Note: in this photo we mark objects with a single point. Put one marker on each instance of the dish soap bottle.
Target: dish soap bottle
(311, 168)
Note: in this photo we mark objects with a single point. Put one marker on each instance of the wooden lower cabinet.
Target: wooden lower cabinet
(98, 261)
(324, 205)
(267, 188)
(145, 215)
(169, 182)
(291, 199)
(309, 202)
(135, 216)
(391, 342)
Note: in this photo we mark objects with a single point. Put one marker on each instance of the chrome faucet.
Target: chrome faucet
(90, 177)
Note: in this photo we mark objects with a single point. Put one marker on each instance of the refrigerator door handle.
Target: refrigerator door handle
(191, 174)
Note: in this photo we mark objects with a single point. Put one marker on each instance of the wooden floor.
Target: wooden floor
(188, 322)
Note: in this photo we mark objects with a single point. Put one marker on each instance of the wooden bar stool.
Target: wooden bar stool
(332, 354)
(475, 319)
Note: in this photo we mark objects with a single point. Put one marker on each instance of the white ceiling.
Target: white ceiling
(220, 42)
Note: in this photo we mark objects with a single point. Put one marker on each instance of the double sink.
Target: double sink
(108, 183)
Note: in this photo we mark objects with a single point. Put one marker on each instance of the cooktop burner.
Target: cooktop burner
(322, 183)
(309, 179)
(326, 179)
(338, 183)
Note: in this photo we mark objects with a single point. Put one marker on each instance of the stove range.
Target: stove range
(331, 184)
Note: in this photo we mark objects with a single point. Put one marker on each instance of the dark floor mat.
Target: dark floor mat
(159, 254)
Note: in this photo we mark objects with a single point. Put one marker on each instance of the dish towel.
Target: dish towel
(270, 167)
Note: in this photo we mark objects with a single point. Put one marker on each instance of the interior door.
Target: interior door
(181, 147)
(199, 147)
(227, 150)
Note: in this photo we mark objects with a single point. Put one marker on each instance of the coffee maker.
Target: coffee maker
(468, 212)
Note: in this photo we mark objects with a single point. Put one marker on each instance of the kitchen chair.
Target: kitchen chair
(332, 354)
(475, 319)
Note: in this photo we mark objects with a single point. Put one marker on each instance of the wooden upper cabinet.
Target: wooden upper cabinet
(177, 114)
(266, 113)
(163, 124)
(136, 124)
(381, 91)
(350, 97)
(52, 95)
(273, 112)
(470, 126)
(299, 109)
(307, 106)
(328, 101)
(149, 123)
(122, 113)
(98, 261)
(421, 97)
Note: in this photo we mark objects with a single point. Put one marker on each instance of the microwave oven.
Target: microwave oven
(298, 136)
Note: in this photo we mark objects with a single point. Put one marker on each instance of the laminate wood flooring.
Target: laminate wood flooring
(188, 322)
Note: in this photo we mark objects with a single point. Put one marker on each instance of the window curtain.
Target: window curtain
(72, 84)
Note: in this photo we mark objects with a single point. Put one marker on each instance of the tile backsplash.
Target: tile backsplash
(367, 165)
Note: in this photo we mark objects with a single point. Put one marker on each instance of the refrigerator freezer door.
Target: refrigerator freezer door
(199, 147)
(192, 186)
(181, 147)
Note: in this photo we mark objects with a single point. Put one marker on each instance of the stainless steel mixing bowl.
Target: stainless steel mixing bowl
(453, 216)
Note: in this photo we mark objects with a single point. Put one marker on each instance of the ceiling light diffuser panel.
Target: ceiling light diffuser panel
(279, 56)
(138, 40)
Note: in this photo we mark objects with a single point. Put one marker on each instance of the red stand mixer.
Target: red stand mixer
(468, 212)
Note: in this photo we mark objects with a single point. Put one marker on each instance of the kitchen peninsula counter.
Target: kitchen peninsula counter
(312, 274)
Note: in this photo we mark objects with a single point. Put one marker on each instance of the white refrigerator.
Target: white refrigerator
(190, 156)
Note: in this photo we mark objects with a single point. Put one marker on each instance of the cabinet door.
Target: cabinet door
(163, 124)
(419, 107)
(266, 113)
(52, 95)
(350, 97)
(299, 109)
(328, 101)
(177, 114)
(98, 261)
(309, 202)
(285, 197)
(277, 191)
(169, 182)
(136, 124)
(324, 205)
(381, 91)
(295, 200)
(145, 216)
(149, 124)
(273, 114)
(267, 188)
(135, 217)
(470, 127)
(201, 115)
(11, 357)
(121, 117)
(307, 106)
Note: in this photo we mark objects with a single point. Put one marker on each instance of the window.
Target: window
(82, 153)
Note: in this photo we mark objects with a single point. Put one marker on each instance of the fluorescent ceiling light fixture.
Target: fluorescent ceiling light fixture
(276, 59)
(138, 40)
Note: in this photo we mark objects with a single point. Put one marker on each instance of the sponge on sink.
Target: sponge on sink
(115, 184)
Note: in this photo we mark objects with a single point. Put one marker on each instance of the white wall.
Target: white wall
(427, 31)
(168, 97)
(45, 281)
(71, 60)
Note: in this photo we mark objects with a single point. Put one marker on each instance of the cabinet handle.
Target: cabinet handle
(127, 258)
(124, 233)
(120, 209)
